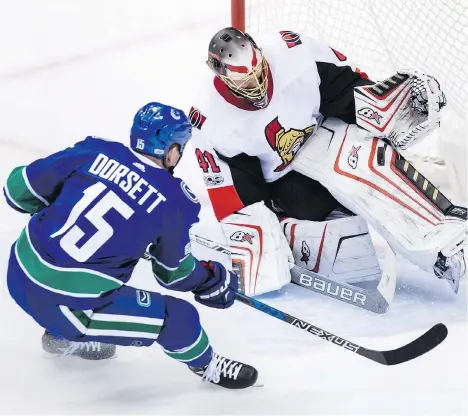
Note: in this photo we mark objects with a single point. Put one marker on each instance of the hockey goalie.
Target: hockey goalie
(300, 153)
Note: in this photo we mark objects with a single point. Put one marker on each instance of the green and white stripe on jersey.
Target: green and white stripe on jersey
(20, 192)
(167, 276)
(193, 351)
(76, 282)
(110, 325)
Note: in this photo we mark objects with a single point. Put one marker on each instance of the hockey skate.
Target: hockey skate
(451, 268)
(227, 373)
(91, 350)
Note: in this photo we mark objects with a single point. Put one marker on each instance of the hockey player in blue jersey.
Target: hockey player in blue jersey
(96, 207)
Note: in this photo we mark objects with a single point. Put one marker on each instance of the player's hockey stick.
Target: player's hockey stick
(210, 244)
(377, 301)
(414, 349)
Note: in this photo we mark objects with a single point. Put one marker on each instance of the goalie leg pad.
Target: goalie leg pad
(259, 250)
(340, 249)
(362, 173)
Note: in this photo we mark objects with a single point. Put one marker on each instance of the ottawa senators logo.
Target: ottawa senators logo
(286, 143)
(292, 39)
(196, 118)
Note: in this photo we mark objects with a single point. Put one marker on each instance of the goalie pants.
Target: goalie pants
(128, 317)
(293, 195)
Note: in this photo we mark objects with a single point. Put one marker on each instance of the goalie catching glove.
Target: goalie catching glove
(219, 289)
(404, 108)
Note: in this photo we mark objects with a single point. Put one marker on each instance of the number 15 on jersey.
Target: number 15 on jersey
(72, 234)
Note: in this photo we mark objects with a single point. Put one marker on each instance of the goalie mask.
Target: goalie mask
(236, 59)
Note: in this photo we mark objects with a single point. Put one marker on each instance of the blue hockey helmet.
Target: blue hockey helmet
(157, 127)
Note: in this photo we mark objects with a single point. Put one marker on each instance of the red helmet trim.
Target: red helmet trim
(239, 102)
(254, 58)
(239, 69)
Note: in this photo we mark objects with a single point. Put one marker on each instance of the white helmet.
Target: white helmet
(236, 59)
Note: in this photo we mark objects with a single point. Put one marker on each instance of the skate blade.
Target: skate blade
(454, 284)
(53, 356)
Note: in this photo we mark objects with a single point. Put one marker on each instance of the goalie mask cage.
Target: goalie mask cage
(381, 37)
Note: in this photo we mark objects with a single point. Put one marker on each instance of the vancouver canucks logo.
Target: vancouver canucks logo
(143, 298)
(286, 143)
(188, 192)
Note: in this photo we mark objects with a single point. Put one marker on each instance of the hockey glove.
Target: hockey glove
(219, 289)
(404, 108)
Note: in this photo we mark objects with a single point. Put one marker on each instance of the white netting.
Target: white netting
(383, 36)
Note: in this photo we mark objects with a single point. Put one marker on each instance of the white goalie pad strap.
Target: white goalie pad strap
(339, 249)
(404, 108)
(259, 250)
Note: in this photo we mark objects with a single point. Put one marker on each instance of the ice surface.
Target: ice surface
(85, 69)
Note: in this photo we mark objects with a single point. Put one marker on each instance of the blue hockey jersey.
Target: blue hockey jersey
(97, 206)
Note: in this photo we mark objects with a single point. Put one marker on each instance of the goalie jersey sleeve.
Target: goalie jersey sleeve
(220, 179)
(337, 91)
(338, 78)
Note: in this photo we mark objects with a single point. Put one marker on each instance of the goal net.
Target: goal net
(381, 37)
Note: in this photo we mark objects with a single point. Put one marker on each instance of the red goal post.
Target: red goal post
(238, 14)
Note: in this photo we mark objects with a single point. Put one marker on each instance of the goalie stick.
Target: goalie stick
(420, 346)
(377, 301)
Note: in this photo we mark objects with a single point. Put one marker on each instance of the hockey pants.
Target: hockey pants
(129, 317)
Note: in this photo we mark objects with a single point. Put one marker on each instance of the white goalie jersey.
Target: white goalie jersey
(315, 99)
(307, 81)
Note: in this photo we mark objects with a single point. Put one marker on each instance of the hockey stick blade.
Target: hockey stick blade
(414, 349)
(377, 301)
(372, 301)
(421, 345)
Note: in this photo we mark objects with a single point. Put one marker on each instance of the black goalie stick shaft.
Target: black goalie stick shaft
(414, 349)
